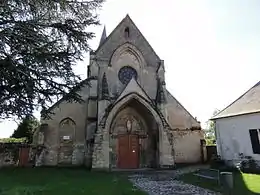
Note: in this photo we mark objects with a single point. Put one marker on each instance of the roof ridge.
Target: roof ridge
(127, 17)
(138, 84)
(167, 91)
(110, 34)
(77, 87)
(232, 103)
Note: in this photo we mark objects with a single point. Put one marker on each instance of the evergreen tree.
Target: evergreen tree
(26, 128)
(40, 43)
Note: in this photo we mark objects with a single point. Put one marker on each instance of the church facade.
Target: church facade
(128, 119)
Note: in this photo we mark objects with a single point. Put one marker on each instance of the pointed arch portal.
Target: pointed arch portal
(134, 134)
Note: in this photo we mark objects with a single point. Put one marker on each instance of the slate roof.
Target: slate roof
(248, 103)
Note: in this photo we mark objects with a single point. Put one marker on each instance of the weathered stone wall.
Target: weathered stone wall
(118, 38)
(186, 142)
(134, 50)
(187, 146)
(8, 157)
(77, 112)
(101, 155)
(10, 154)
(123, 56)
(178, 116)
(117, 51)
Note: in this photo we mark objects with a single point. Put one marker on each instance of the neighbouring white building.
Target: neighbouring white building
(238, 127)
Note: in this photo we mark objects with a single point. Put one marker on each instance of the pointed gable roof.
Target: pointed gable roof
(116, 39)
(133, 87)
(248, 103)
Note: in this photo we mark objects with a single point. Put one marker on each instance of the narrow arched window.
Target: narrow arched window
(67, 122)
(127, 32)
(67, 130)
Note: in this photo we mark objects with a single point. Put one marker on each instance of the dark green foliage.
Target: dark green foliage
(210, 131)
(26, 129)
(40, 43)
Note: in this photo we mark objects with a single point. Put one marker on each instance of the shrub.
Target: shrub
(249, 165)
(210, 142)
(13, 140)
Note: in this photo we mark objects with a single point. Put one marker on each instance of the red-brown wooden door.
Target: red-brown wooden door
(128, 152)
(24, 156)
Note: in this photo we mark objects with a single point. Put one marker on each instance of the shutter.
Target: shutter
(255, 141)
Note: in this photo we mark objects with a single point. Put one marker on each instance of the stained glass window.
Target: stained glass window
(126, 73)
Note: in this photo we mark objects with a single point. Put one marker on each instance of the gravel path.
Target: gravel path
(165, 183)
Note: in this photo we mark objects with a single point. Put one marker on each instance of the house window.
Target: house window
(255, 140)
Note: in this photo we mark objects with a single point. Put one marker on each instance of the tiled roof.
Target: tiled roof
(248, 103)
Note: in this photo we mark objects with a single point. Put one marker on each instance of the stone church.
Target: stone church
(129, 119)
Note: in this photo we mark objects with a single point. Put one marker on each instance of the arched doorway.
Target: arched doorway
(134, 139)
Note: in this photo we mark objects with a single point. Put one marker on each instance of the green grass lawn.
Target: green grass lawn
(244, 184)
(251, 182)
(51, 181)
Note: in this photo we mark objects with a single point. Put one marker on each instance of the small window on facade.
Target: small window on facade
(89, 71)
(127, 32)
(255, 140)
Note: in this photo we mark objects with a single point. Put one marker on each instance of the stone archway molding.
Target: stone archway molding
(130, 48)
(166, 158)
(101, 154)
(123, 102)
(128, 111)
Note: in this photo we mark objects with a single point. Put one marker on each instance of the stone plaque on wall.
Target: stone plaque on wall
(66, 137)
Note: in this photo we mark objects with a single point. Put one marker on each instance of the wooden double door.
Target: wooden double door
(128, 151)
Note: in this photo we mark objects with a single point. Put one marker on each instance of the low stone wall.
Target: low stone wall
(7, 158)
(16, 154)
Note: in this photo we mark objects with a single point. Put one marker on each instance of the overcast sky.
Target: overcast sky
(210, 48)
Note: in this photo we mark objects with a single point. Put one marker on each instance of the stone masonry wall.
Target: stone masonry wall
(76, 112)
(7, 158)
(187, 146)
(100, 158)
(10, 154)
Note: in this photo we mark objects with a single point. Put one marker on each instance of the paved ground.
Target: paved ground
(165, 183)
